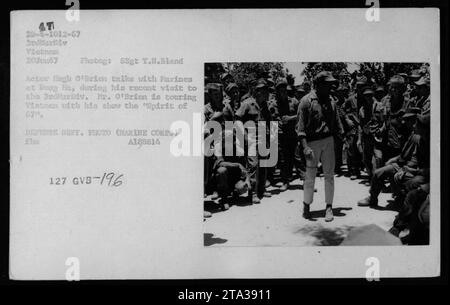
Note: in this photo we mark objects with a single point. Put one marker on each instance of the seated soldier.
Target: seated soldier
(412, 159)
(419, 227)
(408, 217)
(230, 172)
(415, 177)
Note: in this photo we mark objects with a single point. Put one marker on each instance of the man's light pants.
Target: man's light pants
(323, 150)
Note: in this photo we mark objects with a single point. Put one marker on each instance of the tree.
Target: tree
(213, 71)
(390, 69)
(338, 69)
(243, 73)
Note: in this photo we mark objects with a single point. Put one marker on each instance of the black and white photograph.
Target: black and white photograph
(221, 144)
(353, 154)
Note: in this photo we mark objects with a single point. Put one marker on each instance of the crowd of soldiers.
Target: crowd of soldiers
(380, 130)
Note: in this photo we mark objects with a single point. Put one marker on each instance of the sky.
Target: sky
(296, 68)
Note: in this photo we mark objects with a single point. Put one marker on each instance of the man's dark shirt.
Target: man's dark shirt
(317, 120)
(396, 132)
(415, 153)
(289, 108)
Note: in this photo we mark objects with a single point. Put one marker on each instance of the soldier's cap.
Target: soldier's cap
(306, 84)
(402, 74)
(415, 74)
(289, 88)
(225, 75)
(423, 81)
(396, 79)
(399, 113)
(260, 83)
(411, 112)
(281, 82)
(213, 86)
(231, 86)
(423, 69)
(361, 80)
(300, 88)
(344, 73)
(379, 88)
(342, 87)
(424, 120)
(251, 81)
(272, 89)
(368, 90)
(325, 76)
(270, 82)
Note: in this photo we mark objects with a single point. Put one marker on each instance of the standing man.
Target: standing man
(226, 79)
(379, 93)
(342, 95)
(371, 133)
(350, 123)
(299, 162)
(318, 122)
(287, 108)
(299, 92)
(214, 110)
(256, 109)
(232, 102)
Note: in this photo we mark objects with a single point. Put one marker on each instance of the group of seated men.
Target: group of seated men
(386, 135)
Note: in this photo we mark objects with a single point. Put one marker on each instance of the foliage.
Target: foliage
(382, 72)
(376, 72)
(213, 72)
(339, 69)
(243, 73)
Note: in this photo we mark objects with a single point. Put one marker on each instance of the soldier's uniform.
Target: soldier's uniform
(355, 101)
(230, 105)
(372, 133)
(286, 134)
(341, 97)
(350, 123)
(230, 172)
(299, 161)
(213, 110)
(273, 109)
(397, 133)
(421, 101)
(250, 110)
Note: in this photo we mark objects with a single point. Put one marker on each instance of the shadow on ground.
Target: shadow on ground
(391, 206)
(336, 212)
(325, 236)
(211, 206)
(214, 206)
(209, 240)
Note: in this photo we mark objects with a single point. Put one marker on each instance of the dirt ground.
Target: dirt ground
(278, 221)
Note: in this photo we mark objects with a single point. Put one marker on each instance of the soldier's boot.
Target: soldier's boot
(368, 202)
